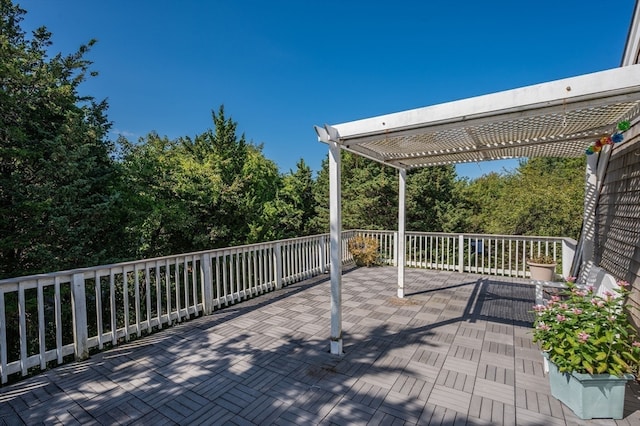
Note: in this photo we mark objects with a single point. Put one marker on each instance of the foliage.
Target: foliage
(364, 250)
(58, 197)
(195, 194)
(478, 200)
(586, 333)
(432, 201)
(543, 196)
(370, 197)
(289, 213)
(542, 259)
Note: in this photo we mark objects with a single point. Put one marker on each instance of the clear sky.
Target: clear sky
(279, 67)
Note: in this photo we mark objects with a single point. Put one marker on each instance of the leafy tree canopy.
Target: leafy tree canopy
(57, 178)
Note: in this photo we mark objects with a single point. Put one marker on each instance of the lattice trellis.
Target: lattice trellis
(559, 134)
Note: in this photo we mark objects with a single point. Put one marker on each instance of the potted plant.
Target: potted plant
(542, 268)
(591, 347)
(364, 250)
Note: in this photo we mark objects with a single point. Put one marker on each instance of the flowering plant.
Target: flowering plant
(586, 333)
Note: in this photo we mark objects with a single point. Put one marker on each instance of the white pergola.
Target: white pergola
(555, 119)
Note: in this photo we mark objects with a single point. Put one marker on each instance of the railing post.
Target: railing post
(568, 254)
(278, 264)
(79, 308)
(207, 283)
(461, 253)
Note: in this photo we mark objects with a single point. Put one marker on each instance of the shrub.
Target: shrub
(542, 260)
(364, 250)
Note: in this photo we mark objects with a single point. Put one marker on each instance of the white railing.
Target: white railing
(49, 318)
(503, 255)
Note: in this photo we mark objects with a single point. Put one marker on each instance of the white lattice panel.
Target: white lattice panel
(565, 134)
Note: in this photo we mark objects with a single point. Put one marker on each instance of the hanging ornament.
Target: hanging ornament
(624, 125)
(617, 137)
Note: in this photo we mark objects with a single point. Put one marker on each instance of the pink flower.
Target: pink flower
(561, 318)
(583, 337)
(590, 288)
(636, 344)
(623, 283)
(571, 279)
(555, 298)
(539, 308)
(577, 311)
(544, 327)
(597, 302)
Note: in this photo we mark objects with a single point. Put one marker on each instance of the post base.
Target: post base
(336, 347)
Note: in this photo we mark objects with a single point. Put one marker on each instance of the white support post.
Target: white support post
(586, 243)
(207, 283)
(79, 309)
(401, 228)
(335, 220)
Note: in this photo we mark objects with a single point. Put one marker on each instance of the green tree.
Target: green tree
(370, 197)
(478, 200)
(157, 217)
(431, 200)
(57, 179)
(545, 197)
(290, 213)
(196, 193)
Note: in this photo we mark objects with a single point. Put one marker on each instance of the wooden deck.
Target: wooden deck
(456, 351)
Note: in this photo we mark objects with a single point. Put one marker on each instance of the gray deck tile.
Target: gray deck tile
(450, 398)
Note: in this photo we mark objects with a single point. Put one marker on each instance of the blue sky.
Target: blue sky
(279, 67)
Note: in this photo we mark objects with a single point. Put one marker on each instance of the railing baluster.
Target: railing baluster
(167, 289)
(57, 302)
(136, 278)
(125, 302)
(42, 347)
(98, 293)
(3, 341)
(112, 304)
(23, 329)
(147, 288)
